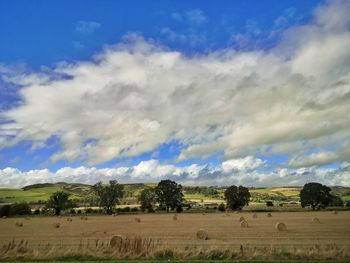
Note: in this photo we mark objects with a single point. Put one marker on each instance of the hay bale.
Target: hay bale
(255, 216)
(4, 217)
(117, 241)
(137, 219)
(84, 218)
(175, 217)
(281, 227)
(241, 219)
(19, 224)
(69, 219)
(315, 220)
(244, 224)
(57, 225)
(202, 234)
(269, 215)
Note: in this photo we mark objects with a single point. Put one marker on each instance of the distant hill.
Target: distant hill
(38, 193)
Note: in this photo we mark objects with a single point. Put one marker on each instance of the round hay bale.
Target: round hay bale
(244, 224)
(316, 220)
(269, 215)
(281, 227)
(19, 224)
(255, 216)
(57, 225)
(202, 234)
(117, 241)
(241, 219)
(69, 219)
(137, 219)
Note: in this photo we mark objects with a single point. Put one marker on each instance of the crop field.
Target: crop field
(224, 231)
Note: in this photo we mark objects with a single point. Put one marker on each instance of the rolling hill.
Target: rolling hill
(39, 193)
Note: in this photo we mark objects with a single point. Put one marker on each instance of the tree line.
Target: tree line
(168, 195)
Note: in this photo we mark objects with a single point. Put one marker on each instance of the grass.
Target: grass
(304, 239)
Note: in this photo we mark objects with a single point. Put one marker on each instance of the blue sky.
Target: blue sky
(180, 89)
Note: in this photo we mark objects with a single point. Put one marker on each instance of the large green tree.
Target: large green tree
(169, 194)
(59, 201)
(237, 197)
(147, 199)
(315, 195)
(108, 195)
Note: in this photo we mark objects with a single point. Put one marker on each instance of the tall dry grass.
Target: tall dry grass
(145, 248)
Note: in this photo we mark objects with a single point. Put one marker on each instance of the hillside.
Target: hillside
(39, 193)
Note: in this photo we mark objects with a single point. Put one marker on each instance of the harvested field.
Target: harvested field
(225, 232)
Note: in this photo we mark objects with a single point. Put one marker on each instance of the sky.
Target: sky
(253, 93)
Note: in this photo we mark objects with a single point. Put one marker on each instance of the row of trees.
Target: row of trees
(169, 195)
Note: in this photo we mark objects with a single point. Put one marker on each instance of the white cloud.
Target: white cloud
(87, 27)
(248, 163)
(238, 172)
(137, 95)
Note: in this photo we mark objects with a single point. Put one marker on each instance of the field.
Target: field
(41, 193)
(330, 236)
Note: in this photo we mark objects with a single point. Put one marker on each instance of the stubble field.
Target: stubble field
(224, 230)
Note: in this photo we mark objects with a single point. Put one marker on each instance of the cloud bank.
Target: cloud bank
(246, 171)
(293, 99)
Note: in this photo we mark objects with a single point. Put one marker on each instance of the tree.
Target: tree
(108, 195)
(237, 197)
(316, 195)
(20, 209)
(147, 199)
(59, 201)
(336, 201)
(169, 194)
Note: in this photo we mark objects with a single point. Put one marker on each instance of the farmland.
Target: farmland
(40, 193)
(223, 229)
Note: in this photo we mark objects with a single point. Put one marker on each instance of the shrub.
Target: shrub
(134, 209)
(89, 210)
(222, 207)
(20, 209)
(269, 203)
(126, 209)
(5, 210)
(36, 212)
(179, 209)
(347, 204)
(72, 211)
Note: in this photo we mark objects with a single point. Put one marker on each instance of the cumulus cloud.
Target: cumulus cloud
(137, 95)
(240, 172)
